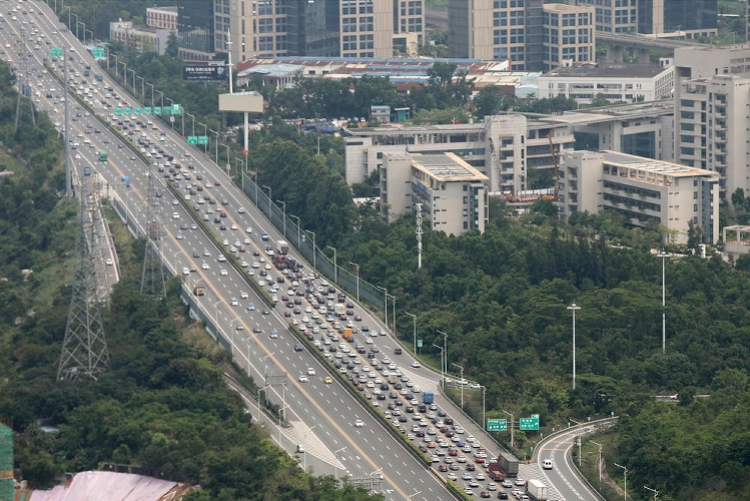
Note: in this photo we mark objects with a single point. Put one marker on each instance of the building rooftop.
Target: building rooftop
(655, 166)
(446, 167)
(608, 71)
(171, 8)
(615, 112)
(278, 70)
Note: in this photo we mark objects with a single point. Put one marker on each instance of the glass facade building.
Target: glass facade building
(195, 20)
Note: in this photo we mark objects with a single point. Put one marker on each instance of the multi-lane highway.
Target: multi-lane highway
(330, 423)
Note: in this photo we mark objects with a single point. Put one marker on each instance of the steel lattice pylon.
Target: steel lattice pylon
(84, 351)
(152, 279)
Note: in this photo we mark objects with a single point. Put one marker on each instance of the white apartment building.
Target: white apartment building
(643, 190)
(569, 35)
(617, 82)
(142, 39)
(502, 147)
(452, 193)
(164, 18)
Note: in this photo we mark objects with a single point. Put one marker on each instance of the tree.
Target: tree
(172, 45)
(490, 100)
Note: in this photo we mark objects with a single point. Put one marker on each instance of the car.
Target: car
(416, 365)
(234, 302)
(205, 266)
(547, 464)
(468, 491)
(303, 379)
(257, 329)
(266, 311)
(359, 423)
(491, 487)
(442, 468)
(473, 483)
(109, 262)
(480, 477)
(298, 347)
(502, 495)
(240, 327)
(243, 295)
(273, 334)
(520, 482)
(507, 483)
(250, 307)
(516, 493)
(484, 494)
(328, 380)
(224, 273)
(466, 476)
(310, 371)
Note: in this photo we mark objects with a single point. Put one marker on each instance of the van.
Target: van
(547, 464)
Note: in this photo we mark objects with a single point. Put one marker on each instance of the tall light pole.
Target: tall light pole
(445, 351)
(335, 265)
(161, 95)
(216, 313)
(171, 105)
(357, 267)
(510, 425)
(283, 214)
(264, 380)
(315, 249)
(298, 226)
(574, 308)
(414, 320)
(461, 368)
(442, 355)
(192, 117)
(143, 88)
(152, 95)
(484, 406)
(131, 69)
(76, 16)
(270, 201)
(656, 493)
(663, 255)
(599, 460)
(625, 475)
(117, 62)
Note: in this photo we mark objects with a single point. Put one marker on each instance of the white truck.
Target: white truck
(536, 490)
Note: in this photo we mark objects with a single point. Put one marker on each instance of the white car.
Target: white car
(224, 273)
(234, 227)
(243, 295)
(303, 378)
(507, 483)
(416, 365)
(520, 482)
(359, 423)
(235, 302)
(222, 259)
(248, 230)
(310, 371)
(110, 262)
(186, 271)
(205, 266)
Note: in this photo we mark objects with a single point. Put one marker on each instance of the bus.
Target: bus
(102, 156)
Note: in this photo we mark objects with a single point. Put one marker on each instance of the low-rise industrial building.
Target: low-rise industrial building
(451, 194)
(645, 191)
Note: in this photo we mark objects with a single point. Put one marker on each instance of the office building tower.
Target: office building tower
(195, 25)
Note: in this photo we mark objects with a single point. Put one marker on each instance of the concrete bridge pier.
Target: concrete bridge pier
(614, 53)
(642, 56)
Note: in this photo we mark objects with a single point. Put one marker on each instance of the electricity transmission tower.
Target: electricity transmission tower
(84, 351)
(152, 279)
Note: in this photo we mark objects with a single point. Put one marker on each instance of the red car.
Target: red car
(484, 494)
(453, 453)
(217, 183)
(479, 460)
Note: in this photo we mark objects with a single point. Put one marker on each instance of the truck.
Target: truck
(340, 309)
(86, 72)
(348, 335)
(282, 247)
(99, 77)
(199, 290)
(506, 466)
(536, 490)
(428, 397)
(392, 378)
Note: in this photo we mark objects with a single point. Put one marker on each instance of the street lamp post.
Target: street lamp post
(175, 261)
(76, 16)
(574, 308)
(484, 406)
(193, 118)
(414, 319)
(270, 201)
(298, 226)
(357, 267)
(216, 313)
(663, 255)
(315, 250)
(445, 350)
(283, 214)
(264, 381)
(599, 460)
(461, 368)
(161, 95)
(336, 474)
(117, 62)
(335, 265)
(442, 356)
(143, 88)
(171, 117)
(131, 69)
(510, 425)
(656, 493)
(625, 475)
(152, 94)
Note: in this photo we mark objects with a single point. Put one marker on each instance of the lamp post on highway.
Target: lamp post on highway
(385, 304)
(315, 250)
(270, 201)
(152, 94)
(143, 88)
(663, 255)
(574, 308)
(161, 95)
(175, 261)
(442, 355)
(216, 313)
(298, 226)
(445, 350)
(171, 117)
(625, 475)
(283, 214)
(461, 368)
(76, 16)
(510, 425)
(193, 118)
(216, 160)
(91, 39)
(414, 319)
(335, 265)
(656, 493)
(357, 267)
(264, 381)
(117, 62)
(131, 69)
(336, 474)
(484, 406)
(599, 460)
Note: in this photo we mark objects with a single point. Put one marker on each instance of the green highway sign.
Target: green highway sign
(176, 109)
(157, 110)
(98, 53)
(202, 139)
(192, 139)
(497, 425)
(529, 423)
(147, 110)
(419, 343)
(56, 52)
(127, 110)
(118, 111)
(138, 110)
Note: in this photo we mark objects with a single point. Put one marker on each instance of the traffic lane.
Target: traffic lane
(563, 477)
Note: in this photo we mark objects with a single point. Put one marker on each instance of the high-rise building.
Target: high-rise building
(533, 36)
(712, 110)
(317, 28)
(195, 26)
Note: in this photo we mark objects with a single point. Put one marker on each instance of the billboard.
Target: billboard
(204, 72)
(251, 102)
